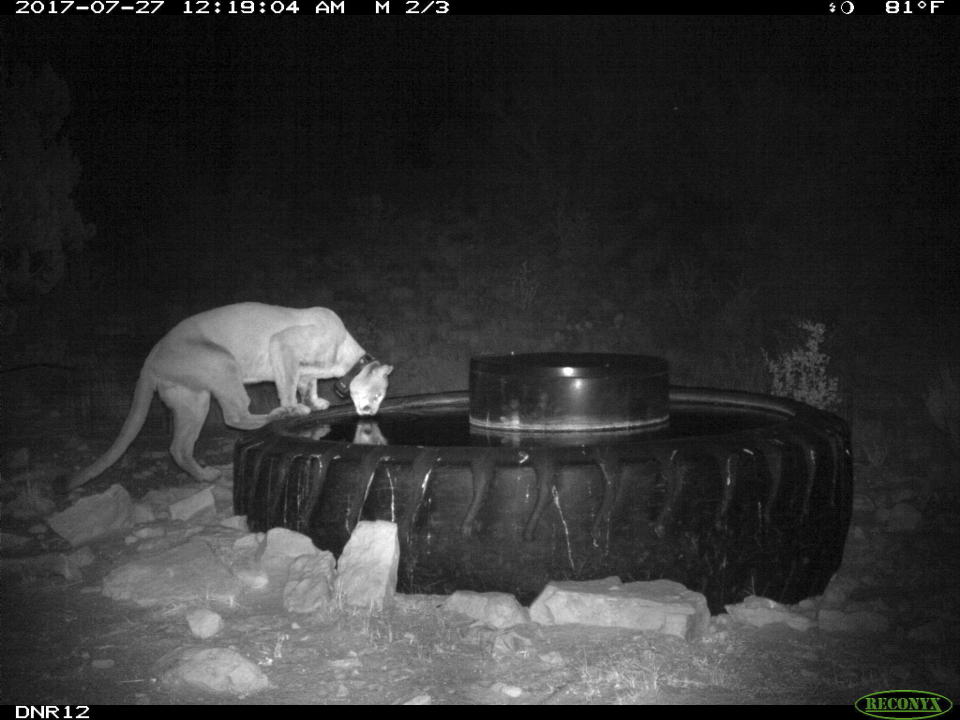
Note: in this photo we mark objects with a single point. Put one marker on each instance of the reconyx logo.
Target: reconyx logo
(910, 704)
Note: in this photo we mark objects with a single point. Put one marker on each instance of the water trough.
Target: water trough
(568, 467)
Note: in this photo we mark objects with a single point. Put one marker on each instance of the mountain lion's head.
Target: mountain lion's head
(369, 387)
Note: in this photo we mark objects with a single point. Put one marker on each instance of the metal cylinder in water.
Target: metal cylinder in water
(568, 392)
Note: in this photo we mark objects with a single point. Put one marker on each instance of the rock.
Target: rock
(82, 557)
(204, 623)
(419, 700)
(8, 541)
(810, 604)
(931, 632)
(860, 622)
(216, 670)
(760, 611)
(662, 606)
(223, 497)
(65, 565)
(19, 459)
(188, 573)
(74, 442)
(511, 691)
(903, 518)
(280, 548)
(498, 610)
(250, 541)
(367, 569)
(253, 579)
(944, 674)
(236, 522)
(192, 505)
(509, 643)
(310, 583)
(94, 516)
(552, 658)
(838, 590)
(146, 533)
(29, 503)
(143, 514)
(41, 474)
(161, 500)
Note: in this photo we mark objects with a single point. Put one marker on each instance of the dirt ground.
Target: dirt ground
(64, 643)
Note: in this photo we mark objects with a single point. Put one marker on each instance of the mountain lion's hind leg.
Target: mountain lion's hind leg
(227, 387)
(189, 411)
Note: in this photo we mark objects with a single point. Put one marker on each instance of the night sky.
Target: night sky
(822, 139)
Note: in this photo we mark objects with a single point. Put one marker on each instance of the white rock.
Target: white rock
(216, 670)
(511, 691)
(282, 546)
(204, 623)
(236, 522)
(248, 542)
(188, 573)
(760, 611)
(143, 514)
(145, 533)
(498, 610)
(94, 516)
(253, 579)
(367, 568)
(660, 605)
(192, 505)
(83, 557)
(310, 583)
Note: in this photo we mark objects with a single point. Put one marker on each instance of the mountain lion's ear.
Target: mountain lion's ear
(386, 370)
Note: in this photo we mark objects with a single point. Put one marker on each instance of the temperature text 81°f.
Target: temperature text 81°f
(910, 7)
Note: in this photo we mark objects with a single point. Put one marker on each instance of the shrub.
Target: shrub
(801, 373)
(38, 172)
(943, 404)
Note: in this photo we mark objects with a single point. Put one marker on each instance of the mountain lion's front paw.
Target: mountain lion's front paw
(209, 474)
(290, 411)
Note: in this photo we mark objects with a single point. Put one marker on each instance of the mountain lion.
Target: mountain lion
(216, 352)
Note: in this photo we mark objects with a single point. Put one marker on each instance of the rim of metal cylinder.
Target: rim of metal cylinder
(571, 365)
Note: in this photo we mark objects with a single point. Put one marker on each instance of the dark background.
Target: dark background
(686, 186)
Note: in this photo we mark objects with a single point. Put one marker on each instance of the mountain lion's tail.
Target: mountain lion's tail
(142, 397)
